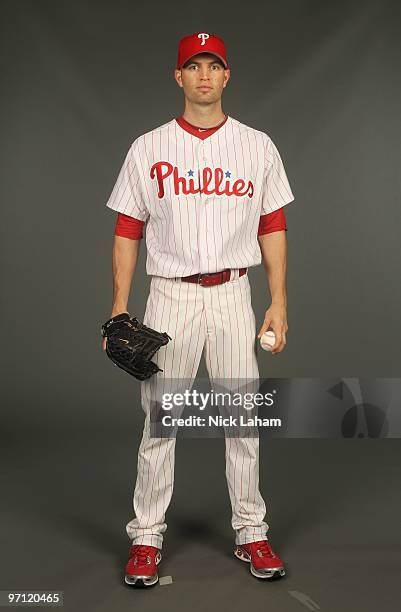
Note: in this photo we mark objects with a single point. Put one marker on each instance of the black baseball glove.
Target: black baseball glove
(131, 345)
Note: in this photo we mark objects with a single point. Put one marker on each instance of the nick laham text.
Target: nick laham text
(219, 421)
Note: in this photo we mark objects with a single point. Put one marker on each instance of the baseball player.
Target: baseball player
(210, 192)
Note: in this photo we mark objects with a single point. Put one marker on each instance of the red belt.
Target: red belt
(214, 278)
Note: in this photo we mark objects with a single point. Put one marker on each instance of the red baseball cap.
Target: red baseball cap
(200, 43)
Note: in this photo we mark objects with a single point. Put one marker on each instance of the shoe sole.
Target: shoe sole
(275, 572)
(142, 581)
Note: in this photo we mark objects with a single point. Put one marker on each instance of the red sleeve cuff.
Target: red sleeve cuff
(272, 222)
(129, 227)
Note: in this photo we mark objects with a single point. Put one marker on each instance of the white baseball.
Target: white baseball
(267, 340)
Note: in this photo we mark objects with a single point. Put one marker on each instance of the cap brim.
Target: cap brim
(209, 53)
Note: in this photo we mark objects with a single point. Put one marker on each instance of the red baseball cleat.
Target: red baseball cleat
(141, 569)
(265, 563)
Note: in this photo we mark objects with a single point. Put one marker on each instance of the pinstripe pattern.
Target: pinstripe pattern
(201, 200)
(220, 321)
(187, 233)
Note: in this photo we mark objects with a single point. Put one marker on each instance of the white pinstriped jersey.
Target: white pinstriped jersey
(201, 200)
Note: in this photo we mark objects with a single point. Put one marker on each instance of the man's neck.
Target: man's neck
(204, 117)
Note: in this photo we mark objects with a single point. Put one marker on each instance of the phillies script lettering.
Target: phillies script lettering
(209, 182)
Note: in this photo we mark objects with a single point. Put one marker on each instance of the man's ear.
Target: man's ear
(178, 78)
(228, 74)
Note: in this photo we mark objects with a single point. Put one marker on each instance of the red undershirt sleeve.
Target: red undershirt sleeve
(129, 227)
(272, 222)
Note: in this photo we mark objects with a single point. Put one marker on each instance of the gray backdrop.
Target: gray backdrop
(81, 80)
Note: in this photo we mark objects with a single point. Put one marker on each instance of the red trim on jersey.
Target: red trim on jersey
(128, 227)
(194, 129)
(272, 222)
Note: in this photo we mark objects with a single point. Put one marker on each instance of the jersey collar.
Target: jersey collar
(201, 133)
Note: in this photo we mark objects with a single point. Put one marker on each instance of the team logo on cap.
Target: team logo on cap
(204, 37)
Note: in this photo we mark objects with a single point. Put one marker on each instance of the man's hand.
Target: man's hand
(276, 319)
(114, 313)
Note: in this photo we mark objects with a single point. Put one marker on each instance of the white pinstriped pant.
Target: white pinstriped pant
(219, 319)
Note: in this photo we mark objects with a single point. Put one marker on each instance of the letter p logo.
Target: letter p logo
(204, 37)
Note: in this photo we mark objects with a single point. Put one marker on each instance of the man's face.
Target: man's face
(203, 78)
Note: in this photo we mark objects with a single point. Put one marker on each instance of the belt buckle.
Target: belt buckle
(207, 274)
